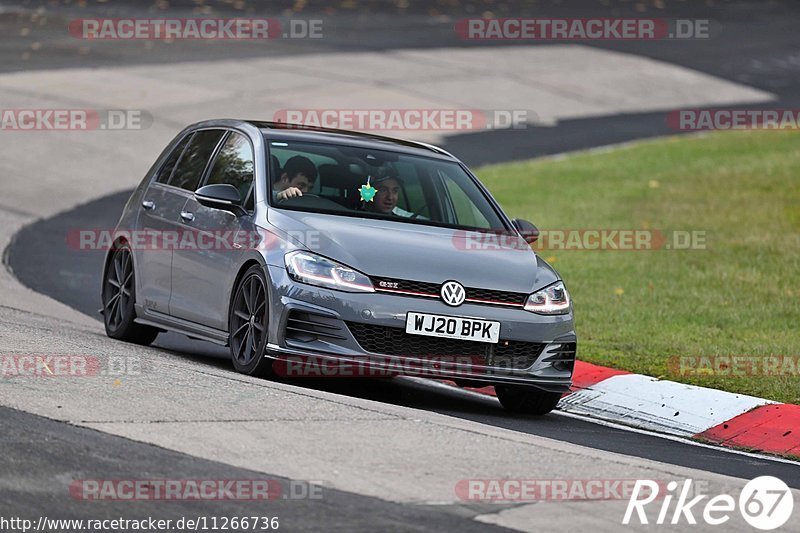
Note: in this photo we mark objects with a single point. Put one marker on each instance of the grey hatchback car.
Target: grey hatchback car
(315, 252)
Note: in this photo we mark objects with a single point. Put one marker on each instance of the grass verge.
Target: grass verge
(643, 310)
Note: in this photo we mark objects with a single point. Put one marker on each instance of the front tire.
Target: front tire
(526, 400)
(248, 322)
(118, 296)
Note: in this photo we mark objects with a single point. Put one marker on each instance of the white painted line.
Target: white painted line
(663, 406)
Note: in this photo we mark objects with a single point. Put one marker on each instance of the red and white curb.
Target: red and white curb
(662, 406)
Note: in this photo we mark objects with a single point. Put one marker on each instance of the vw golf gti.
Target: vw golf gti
(289, 244)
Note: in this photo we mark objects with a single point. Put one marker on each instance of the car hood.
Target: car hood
(402, 250)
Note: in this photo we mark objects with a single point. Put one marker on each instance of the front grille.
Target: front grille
(513, 298)
(517, 354)
(307, 327)
(408, 285)
(425, 289)
(395, 341)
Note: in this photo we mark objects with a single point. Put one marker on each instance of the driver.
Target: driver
(388, 191)
(298, 176)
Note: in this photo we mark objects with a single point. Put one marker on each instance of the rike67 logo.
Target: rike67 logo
(765, 503)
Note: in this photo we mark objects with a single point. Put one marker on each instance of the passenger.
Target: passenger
(388, 192)
(298, 176)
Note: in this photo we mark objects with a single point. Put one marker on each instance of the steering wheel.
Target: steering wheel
(298, 197)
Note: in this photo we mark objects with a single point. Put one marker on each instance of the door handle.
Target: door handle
(186, 216)
(148, 204)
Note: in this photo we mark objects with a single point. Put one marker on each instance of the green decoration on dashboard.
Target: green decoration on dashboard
(367, 191)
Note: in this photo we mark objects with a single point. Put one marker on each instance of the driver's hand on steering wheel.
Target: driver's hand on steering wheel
(291, 192)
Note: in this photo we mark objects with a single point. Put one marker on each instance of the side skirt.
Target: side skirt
(178, 325)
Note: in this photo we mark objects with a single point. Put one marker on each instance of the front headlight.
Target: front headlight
(323, 272)
(552, 300)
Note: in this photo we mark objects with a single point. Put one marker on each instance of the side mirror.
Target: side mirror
(528, 231)
(220, 196)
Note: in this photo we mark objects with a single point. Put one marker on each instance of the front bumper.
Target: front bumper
(320, 332)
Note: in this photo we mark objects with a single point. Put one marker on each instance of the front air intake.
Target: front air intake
(302, 326)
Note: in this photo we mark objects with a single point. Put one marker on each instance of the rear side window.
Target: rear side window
(166, 169)
(194, 159)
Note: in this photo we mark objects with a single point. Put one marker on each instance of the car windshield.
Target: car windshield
(364, 182)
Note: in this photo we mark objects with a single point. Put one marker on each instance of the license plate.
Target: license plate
(453, 327)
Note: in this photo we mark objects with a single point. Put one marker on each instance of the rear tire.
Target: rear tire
(248, 323)
(119, 296)
(527, 400)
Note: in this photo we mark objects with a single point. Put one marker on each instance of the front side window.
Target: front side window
(234, 166)
(193, 162)
(362, 182)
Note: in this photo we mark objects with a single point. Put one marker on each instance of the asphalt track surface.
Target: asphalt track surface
(39, 440)
(758, 47)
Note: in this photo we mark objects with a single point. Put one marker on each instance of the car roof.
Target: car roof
(282, 131)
